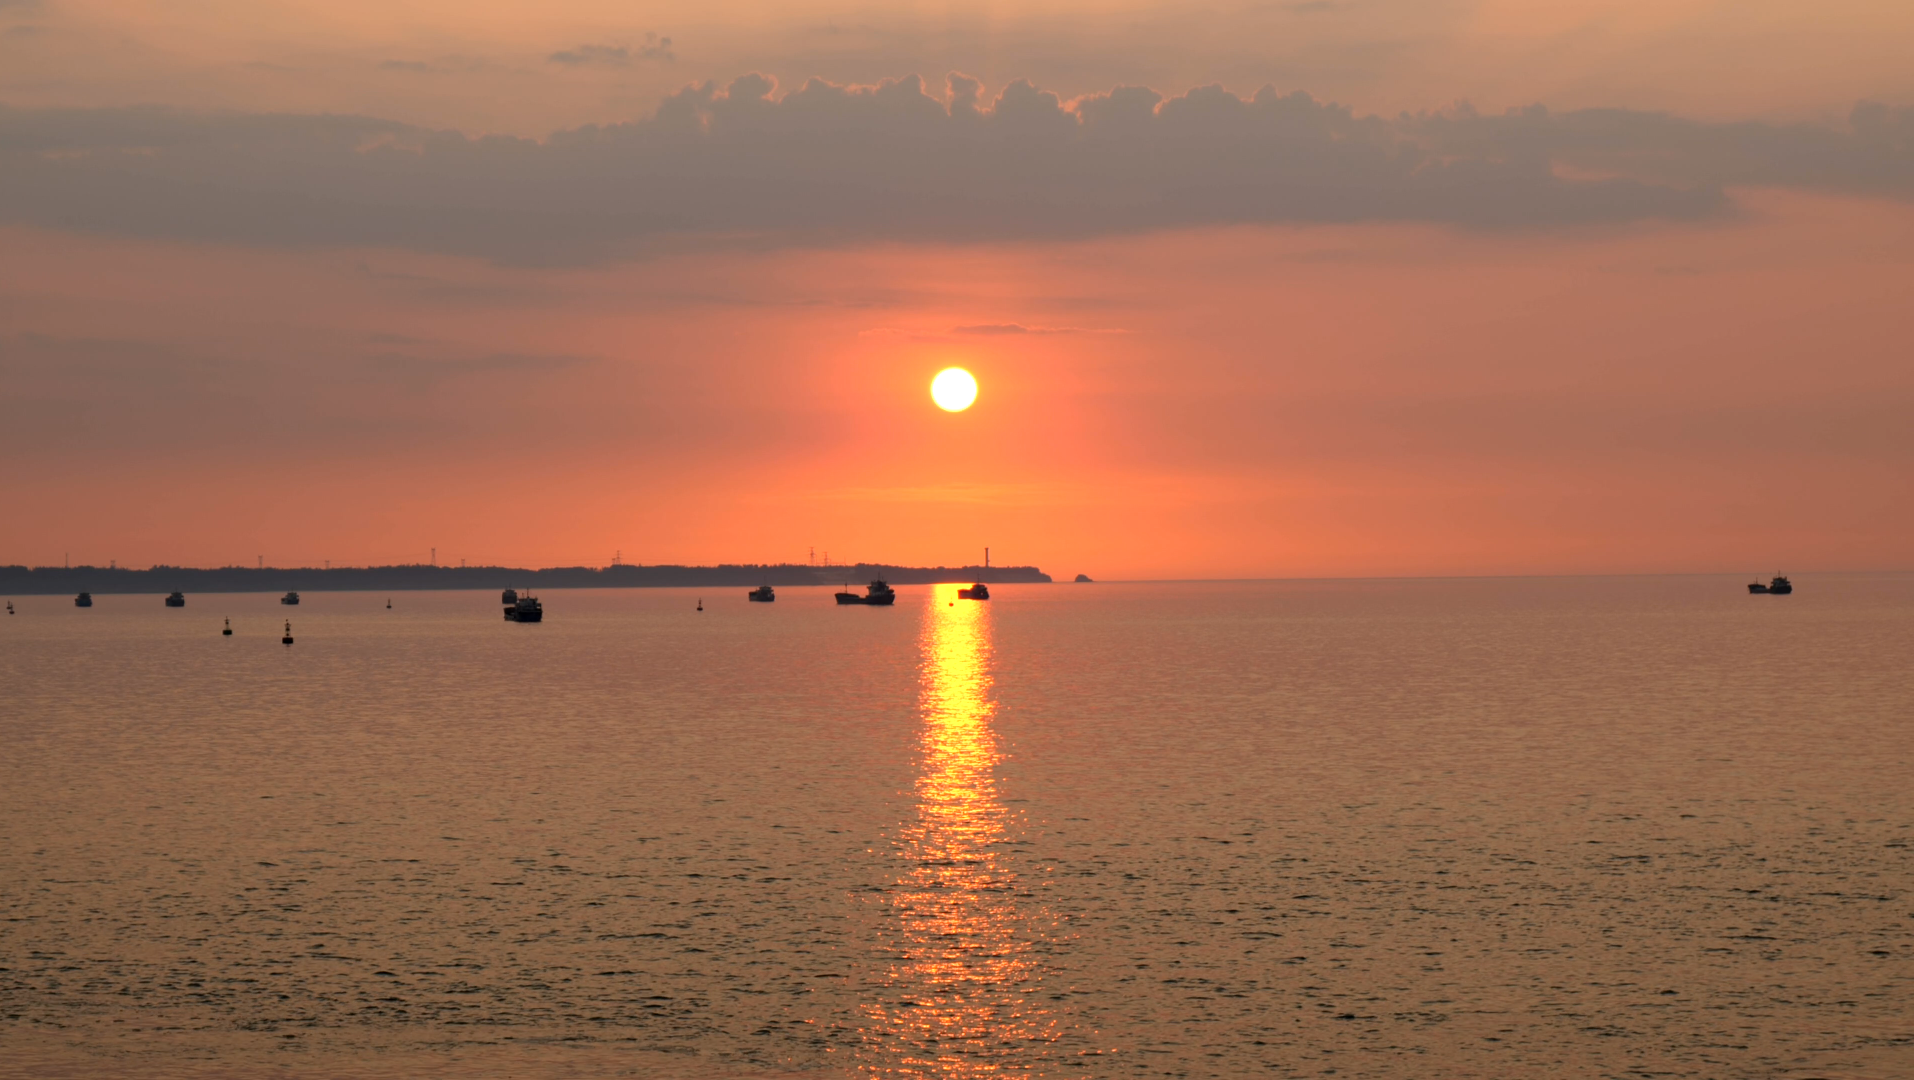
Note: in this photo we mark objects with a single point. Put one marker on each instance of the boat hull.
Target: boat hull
(867, 601)
(530, 616)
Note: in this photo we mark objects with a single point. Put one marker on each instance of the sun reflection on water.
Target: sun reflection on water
(961, 996)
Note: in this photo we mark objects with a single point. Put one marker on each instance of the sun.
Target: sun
(953, 389)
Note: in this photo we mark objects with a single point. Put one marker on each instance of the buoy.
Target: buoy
(700, 604)
(388, 605)
(228, 632)
(287, 640)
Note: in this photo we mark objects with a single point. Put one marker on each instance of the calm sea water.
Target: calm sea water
(1406, 829)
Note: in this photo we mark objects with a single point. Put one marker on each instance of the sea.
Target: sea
(1492, 827)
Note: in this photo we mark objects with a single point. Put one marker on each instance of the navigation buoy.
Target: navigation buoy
(388, 604)
(228, 632)
(700, 604)
(287, 640)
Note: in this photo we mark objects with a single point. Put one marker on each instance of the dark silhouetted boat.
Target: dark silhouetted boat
(290, 598)
(761, 595)
(178, 599)
(525, 609)
(509, 596)
(979, 591)
(1755, 587)
(878, 595)
(85, 599)
(1780, 586)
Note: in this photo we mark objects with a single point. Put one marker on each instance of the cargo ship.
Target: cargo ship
(763, 594)
(877, 595)
(525, 608)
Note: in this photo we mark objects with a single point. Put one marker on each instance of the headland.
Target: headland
(52, 580)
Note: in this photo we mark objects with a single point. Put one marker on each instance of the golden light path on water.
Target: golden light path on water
(963, 991)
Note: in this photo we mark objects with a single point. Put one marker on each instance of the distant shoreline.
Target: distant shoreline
(56, 580)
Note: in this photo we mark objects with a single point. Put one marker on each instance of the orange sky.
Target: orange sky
(1215, 392)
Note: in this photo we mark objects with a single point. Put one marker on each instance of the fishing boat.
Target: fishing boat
(178, 599)
(979, 591)
(761, 595)
(525, 609)
(85, 599)
(877, 595)
(290, 598)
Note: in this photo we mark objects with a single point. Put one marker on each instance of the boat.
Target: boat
(289, 598)
(761, 595)
(1780, 586)
(178, 599)
(509, 596)
(877, 595)
(524, 609)
(979, 591)
(1755, 587)
(85, 599)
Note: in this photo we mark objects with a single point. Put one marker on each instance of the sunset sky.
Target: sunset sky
(1330, 287)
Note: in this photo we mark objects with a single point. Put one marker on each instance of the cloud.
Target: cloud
(999, 329)
(828, 164)
(654, 48)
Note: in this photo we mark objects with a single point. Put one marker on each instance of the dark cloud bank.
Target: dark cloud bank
(834, 164)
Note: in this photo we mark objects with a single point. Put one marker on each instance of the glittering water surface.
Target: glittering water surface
(1487, 828)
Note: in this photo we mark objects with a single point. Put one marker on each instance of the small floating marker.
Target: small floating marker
(388, 603)
(287, 640)
(9, 607)
(228, 632)
(700, 605)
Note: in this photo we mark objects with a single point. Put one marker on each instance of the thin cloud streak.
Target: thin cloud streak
(826, 165)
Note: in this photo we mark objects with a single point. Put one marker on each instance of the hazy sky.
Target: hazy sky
(1317, 287)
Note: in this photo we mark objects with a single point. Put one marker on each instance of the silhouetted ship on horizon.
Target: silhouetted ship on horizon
(523, 608)
(85, 599)
(763, 594)
(178, 599)
(877, 595)
(289, 598)
(979, 591)
(1780, 586)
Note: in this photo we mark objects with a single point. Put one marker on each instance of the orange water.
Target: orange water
(1485, 828)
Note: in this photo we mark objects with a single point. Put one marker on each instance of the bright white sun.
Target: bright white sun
(953, 389)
